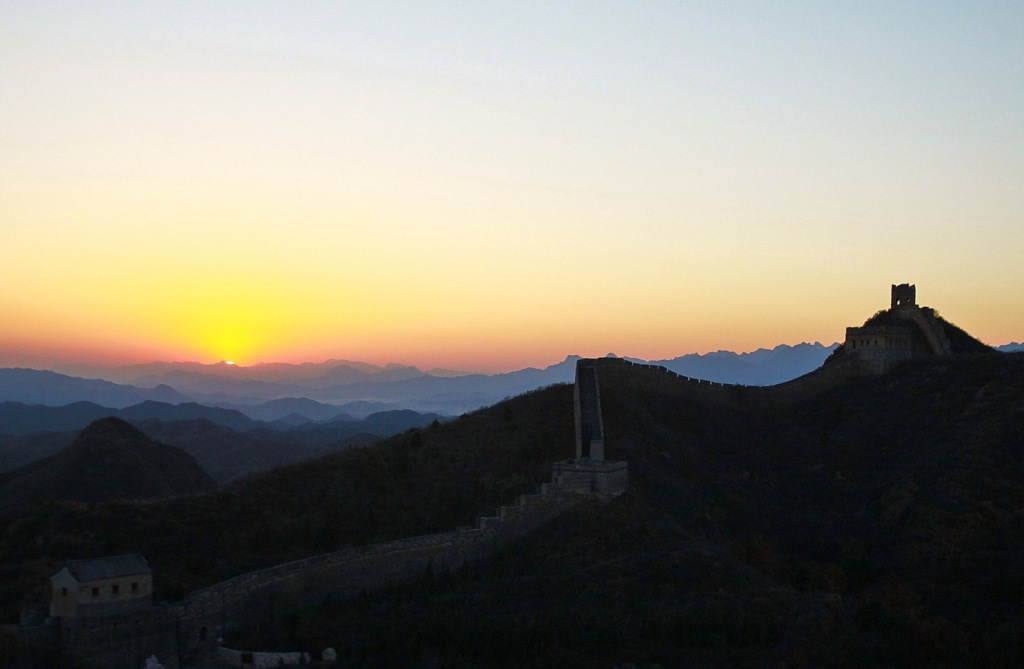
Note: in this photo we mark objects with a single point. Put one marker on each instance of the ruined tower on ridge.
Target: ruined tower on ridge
(904, 295)
(904, 331)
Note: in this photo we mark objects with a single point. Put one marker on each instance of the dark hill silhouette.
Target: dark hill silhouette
(223, 453)
(872, 525)
(960, 342)
(876, 524)
(109, 459)
(226, 454)
(17, 418)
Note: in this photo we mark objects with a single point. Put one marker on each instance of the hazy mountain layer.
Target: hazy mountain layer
(32, 386)
(274, 392)
(21, 419)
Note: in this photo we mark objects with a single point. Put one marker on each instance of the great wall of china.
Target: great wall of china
(625, 374)
(187, 633)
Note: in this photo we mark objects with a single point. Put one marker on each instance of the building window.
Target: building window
(114, 589)
(95, 592)
(63, 592)
(135, 587)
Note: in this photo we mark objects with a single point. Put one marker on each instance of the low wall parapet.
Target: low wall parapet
(209, 613)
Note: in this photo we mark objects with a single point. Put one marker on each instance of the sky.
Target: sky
(486, 186)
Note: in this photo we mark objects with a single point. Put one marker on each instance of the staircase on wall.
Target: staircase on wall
(933, 331)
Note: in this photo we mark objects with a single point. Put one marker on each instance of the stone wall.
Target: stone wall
(123, 640)
(187, 633)
(933, 331)
(241, 658)
(241, 602)
(636, 376)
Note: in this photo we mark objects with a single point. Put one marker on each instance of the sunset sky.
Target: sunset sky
(485, 186)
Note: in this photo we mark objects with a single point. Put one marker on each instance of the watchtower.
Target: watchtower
(904, 295)
(588, 472)
(589, 427)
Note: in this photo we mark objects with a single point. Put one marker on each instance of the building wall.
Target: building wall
(241, 658)
(69, 598)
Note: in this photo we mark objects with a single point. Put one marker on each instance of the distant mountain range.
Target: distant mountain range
(312, 373)
(45, 387)
(345, 389)
(322, 391)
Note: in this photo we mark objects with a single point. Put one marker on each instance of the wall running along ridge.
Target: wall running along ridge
(187, 632)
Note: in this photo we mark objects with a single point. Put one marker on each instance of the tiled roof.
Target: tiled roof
(97, 569)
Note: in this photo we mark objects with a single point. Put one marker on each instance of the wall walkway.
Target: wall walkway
(627, 374)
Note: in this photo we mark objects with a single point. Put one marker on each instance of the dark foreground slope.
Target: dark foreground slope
(879, 524)
(418, 482)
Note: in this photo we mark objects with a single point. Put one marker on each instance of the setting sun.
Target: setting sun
(397, 200)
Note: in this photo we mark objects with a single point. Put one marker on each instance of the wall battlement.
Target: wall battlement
(628, 374)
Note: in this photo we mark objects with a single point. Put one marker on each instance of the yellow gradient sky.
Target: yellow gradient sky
(492, 185)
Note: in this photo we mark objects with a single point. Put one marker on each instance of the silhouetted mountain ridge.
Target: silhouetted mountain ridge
(335, 382)
(109, 459)
(32, 386)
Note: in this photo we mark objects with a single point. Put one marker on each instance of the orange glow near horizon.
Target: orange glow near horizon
(250, 320)
(296, 184)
